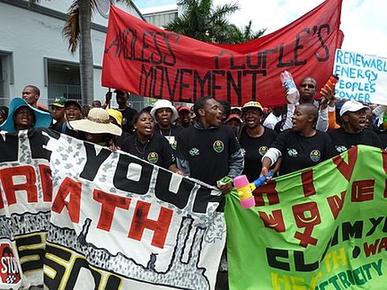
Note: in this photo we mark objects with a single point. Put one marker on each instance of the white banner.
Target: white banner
(118, 222)
(361, 77)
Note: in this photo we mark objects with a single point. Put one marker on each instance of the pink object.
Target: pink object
(241, 181)
(248, 203)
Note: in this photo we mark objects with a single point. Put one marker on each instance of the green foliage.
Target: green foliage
(200, 20)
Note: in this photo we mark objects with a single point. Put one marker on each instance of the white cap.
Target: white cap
(351, 106)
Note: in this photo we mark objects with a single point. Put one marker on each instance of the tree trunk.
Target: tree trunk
(86, 52)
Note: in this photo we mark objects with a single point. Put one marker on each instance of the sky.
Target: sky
(364, 22)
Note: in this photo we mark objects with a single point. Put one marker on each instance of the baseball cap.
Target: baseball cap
(59, 102)
(233, 116)
(184, 108)
(351, 106)
(252, 104)
(117, 115)
(73, 102)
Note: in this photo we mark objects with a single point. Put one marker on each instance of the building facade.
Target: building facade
(34, 51)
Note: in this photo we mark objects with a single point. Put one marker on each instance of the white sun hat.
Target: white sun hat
(164, 104)
(97, 122)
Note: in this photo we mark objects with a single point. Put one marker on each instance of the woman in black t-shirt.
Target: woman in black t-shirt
(300, 147)
(254, 139)
(147, 145)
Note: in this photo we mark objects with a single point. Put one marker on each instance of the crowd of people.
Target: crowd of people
(211, 140)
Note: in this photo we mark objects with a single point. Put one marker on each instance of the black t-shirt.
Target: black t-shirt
(300, 152)
(254, 149)
(383, 139)
(342, 141)
(127, 119)
(156, 151)
(207, 151)
(170, 135)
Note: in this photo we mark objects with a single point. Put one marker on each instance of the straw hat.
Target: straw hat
(160, 104)
(252, 104)
(97, 122)
(42, 119)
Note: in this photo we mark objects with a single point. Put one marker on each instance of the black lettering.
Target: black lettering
(350, 231)
(145, 46)
(214, 86)
(38, 141)
(171, 91)
(204, 197)
(236, 66)
(145, 78)
(281, 56)
(170, 59)
(272, 258)
(324, 56)
(9, 147)
(299, 46)
(121, 181)
(93, 161)
(375, 223)
(156, 58)
(202, 82)
(299, 262)
(236, 86)
(184, 85)
(180, 198)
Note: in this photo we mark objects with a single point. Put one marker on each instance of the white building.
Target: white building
(160, 15)
(33, 50)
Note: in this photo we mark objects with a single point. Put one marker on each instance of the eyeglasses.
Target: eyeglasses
(310, 86)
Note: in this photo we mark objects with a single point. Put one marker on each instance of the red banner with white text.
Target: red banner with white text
(145, 60)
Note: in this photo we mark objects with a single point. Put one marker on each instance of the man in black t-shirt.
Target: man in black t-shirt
(209, 151)
(353, 130)
(300, 147)
(127, 112)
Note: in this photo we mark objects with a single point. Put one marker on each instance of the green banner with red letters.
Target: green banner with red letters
(320, 228)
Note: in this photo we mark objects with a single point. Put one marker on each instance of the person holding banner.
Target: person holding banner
(301, 147)
(165, 115)
(209, 151)
(97, 128)
(23, 116)
(148, 145)
(254, 138)
(353, 128)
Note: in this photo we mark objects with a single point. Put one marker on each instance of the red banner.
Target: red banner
(145, 60)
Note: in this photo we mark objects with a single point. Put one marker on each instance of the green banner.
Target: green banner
(320, 228)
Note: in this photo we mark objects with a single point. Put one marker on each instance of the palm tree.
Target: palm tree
(77, 31)
(201, 21)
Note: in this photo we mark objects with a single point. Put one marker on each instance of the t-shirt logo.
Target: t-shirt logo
(262, 150)
(315, 155)
(292, 152)
(341, 149)
(218, 146)
(153, 157)
(194, 152)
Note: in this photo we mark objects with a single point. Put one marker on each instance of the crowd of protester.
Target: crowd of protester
(210, 139)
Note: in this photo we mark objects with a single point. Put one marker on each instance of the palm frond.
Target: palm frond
(71, 29)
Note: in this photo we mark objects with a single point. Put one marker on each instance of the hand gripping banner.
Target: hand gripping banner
(145, 60)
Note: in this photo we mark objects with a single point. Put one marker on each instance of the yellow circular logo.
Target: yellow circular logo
(218, 146)
(153, 157)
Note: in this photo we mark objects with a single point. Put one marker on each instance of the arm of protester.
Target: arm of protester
(226, 188)
(288, 121)
(108, 98)
(322, 120)
(271, 156)
(236, 164)
(332, 124)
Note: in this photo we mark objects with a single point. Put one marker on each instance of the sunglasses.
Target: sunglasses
(310, 86)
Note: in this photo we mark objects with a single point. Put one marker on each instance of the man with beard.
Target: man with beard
(352, 131)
